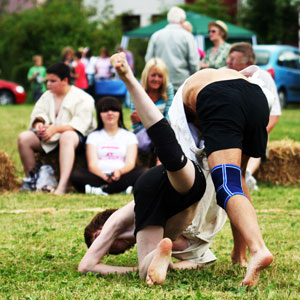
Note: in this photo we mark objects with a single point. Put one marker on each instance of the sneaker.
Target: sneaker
(29, 182)
(128, 191)
(27, 185)
(94, 190)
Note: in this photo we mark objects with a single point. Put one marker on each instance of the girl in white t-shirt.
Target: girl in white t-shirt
(111, 152)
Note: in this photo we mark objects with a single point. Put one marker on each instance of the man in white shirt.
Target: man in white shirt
(176, 47)
(63, 116)
(241, 56)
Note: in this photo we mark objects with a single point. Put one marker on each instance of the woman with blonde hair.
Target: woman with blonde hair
(155, 81)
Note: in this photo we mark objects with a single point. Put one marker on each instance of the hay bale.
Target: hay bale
(283, 163)
(8, 180)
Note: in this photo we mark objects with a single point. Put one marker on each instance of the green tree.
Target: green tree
(46, 30)
(274, 21)
(213, 8)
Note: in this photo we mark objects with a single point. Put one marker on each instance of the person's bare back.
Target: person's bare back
(201, 79)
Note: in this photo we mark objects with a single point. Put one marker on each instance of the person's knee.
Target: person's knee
(227, 182)
(68, 138)
(166, 145)
(26, 139)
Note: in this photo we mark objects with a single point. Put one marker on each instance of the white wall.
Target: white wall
(144, 8)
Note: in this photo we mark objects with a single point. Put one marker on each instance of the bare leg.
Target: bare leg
(181, 180)
(186, 264)
(28, 143)
(147, 240)
(253, 164)
(176, 224)
(158, 268)
(239, 252)
(67, 144)
(152, 251)
(243, 217)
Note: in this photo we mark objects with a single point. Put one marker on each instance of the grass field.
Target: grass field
(42, 240)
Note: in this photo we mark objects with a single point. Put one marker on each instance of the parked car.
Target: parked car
(283, 63)
(11, 93)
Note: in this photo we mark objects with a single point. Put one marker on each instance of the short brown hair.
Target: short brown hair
(246, 49)
(96, 224)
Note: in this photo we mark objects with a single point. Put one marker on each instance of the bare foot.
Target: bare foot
(59, 191)
(239, 258)
(258, 262)
(186, 264)
(157, 270)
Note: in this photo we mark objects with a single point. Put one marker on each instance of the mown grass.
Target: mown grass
(40, 250)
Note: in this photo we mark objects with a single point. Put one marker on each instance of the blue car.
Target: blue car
(283, 63)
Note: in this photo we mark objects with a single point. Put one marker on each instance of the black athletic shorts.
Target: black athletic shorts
(233, 114)
(156, 200)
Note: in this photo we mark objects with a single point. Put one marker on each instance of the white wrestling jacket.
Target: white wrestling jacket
(210, 217)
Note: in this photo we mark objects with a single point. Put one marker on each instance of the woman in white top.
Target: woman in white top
(111, 152)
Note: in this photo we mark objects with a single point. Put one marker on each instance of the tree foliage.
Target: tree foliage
(48, 28)
(213, 8)
(274, 21)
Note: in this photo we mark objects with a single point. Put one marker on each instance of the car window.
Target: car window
(262, 57)
(289, 59)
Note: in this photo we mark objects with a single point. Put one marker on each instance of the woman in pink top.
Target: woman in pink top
(103, 65)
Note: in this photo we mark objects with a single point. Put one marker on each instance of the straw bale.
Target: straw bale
(283, 163)
(8, 180)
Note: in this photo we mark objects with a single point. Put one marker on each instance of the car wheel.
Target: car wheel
(6, 97)
(282, 98)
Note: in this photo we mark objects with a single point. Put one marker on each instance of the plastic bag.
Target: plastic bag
(46, 177)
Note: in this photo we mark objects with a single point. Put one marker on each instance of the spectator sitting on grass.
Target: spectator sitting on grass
(61, 118)
(111, 153)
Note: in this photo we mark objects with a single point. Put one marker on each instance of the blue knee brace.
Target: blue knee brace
(227, 181)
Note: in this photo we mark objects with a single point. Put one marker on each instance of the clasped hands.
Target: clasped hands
(45, 132)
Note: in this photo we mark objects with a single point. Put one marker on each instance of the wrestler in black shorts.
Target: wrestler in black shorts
(233, 114)
(156, 200)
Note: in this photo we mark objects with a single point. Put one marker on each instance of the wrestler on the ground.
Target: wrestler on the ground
(232, 115)
(112, 231)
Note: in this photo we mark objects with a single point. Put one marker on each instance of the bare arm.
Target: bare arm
(92, 162)
(120, 223)
(130, 161)
(146, 109)
(272, 122)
